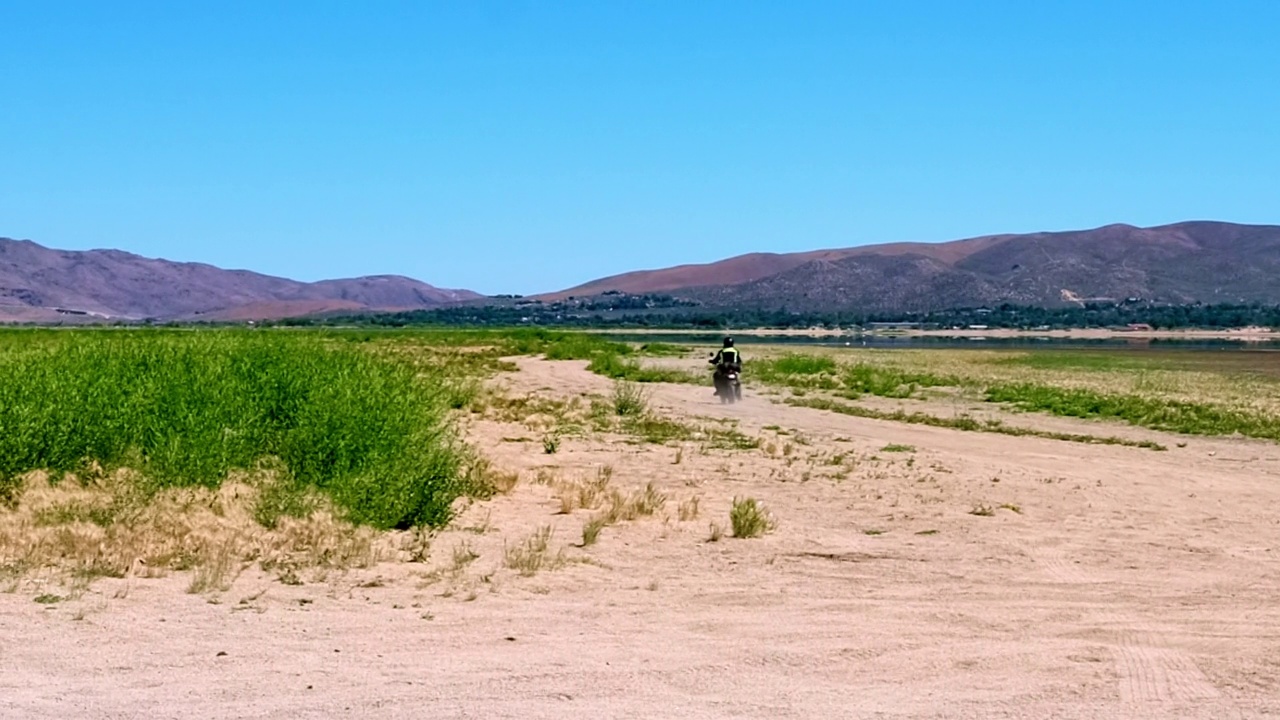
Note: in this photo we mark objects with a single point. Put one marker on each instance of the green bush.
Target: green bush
(186, 408)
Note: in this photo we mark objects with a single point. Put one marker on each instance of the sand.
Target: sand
(1129, 584)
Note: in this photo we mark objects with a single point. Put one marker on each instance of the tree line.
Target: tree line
(673, 313)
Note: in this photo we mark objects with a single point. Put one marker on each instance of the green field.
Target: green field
(186, 447)
(1194, 393)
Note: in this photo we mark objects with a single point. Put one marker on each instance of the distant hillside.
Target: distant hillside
(39, 284)
(1188, 262)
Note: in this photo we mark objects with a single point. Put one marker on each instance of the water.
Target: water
(916, 342)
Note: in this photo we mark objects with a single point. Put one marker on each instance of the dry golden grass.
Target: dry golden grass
(688, 509)
(104, 527)
(586, 494)
(532, 555)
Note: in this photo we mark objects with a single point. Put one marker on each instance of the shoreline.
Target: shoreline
(1242, 334)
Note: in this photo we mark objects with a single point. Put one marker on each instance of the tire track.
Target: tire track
(1150, 673)
(1054, 562)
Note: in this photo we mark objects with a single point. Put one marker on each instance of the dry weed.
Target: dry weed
(106, 527)
(530, 556)
(717, 532)
(463, 555)
(591, 529)
(585, 494)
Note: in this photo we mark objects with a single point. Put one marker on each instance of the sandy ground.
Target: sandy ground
(1129, 584)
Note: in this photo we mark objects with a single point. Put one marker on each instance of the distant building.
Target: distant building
(1139, 327)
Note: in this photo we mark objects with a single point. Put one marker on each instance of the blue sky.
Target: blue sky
(529, 146)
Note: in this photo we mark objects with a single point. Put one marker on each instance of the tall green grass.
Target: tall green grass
(187, 408)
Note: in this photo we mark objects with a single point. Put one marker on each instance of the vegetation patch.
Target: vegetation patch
(618, 367)
(186, 409)
(963, 422)
(796, 364)
(819, 372)
(1155, 413)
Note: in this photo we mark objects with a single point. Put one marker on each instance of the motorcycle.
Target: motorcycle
(728, 384)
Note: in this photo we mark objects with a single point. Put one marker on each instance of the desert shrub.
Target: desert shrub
(749, 518)
(629, 399)
(186, 408)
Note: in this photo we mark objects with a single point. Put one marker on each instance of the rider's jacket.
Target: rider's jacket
(728, 359)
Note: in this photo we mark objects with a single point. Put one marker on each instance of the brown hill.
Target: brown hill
(1181, 263)
(39, 284)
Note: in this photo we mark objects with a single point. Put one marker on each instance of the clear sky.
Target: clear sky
(528, 146)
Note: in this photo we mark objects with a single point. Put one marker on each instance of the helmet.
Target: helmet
(728, 342)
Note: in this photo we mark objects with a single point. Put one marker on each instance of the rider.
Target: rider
(728, 359)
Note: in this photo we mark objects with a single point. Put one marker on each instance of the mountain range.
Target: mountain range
(1209, 262)
(39, 284)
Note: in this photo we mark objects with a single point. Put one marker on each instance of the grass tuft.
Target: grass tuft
(629, 399)
(530, 556)
(749, 518)
(550, 443)
(591, 529)
(717, 533)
